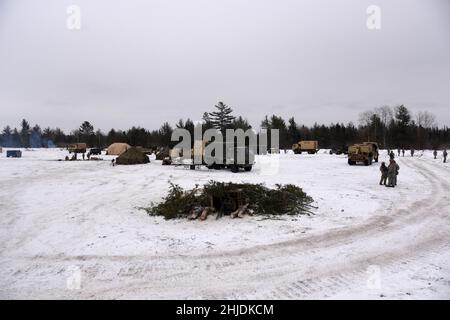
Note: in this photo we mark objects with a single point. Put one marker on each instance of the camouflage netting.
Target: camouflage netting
(226, 197)
(132, 156)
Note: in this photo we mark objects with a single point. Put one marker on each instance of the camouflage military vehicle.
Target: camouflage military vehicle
(306, 146)
(230, 157)
(77, 148)
(95, 151)
(365, 152)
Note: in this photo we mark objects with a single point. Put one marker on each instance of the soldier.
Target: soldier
(384, 173)
(403, 152)
(435, 153)
(445, 155)
(398, 152)
(397, 169)
(412, 152)
(392, 171)
(392, 155)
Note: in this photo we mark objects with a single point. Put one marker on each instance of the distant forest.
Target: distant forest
(391, 127)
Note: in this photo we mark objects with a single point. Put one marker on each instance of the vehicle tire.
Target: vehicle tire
(249, 168)
(350, 162)
(376, 159)
(234, 168)
(366, 162)
(192, 167)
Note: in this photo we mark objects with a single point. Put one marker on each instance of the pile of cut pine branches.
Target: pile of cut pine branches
(234, 199)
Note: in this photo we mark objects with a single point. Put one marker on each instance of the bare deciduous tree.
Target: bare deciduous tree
(386, 115)
(426, 119)
(365, 117)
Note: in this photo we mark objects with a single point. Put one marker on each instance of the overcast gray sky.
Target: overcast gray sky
(144, 62)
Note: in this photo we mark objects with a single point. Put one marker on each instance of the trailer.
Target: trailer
(14, 154)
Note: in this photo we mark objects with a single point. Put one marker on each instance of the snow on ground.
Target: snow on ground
(61, 215)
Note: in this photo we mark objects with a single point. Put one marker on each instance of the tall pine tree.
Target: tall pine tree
(222, 118)
(25, 134)
(402, 121)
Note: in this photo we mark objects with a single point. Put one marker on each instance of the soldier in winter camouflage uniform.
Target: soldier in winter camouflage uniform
(393, 169)
(384, 173)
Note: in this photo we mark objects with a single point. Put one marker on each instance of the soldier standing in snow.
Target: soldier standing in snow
(445, 156)
(435, 153)
(397, 169)
(412, 152)
(403, 152)
(392, 155)
(392, 173)
(384, 173)
(398, 152)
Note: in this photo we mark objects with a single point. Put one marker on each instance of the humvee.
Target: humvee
(95, 151)
(77, 148)
(365, 152)
(306, 146)
(340, 149)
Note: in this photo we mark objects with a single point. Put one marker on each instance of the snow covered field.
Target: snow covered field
(62, 221)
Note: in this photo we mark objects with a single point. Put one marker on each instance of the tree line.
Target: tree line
(391, 127)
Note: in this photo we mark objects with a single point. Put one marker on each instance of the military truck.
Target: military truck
(311, 147)
(365, 152)
(229, 159)
(77, 148)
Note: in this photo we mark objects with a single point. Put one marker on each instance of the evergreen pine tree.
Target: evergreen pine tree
(25, 133)
(222, 118)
